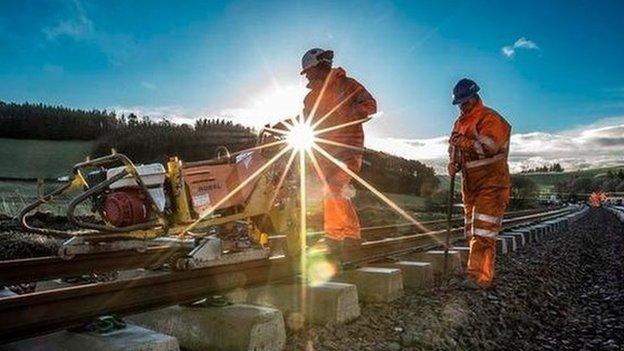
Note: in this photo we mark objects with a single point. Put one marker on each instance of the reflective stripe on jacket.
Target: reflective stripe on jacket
(484, 155)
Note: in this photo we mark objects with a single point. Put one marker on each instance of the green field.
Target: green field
(14, 195)
(547, 181)
(40, 158)
(445, 182)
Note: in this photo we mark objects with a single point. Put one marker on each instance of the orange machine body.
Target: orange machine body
(208, 184)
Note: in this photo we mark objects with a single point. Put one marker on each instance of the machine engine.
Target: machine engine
(125, 203)
(126, 206)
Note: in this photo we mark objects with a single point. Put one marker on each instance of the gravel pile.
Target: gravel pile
(566, 293)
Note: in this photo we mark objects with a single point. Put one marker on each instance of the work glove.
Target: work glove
(462, 142)
(454, 164)
(452, 168)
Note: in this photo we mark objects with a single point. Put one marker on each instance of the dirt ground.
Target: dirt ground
(565, 293)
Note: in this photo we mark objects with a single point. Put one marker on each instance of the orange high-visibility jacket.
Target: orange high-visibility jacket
(484, 144)
(343, 100)
(597, 198)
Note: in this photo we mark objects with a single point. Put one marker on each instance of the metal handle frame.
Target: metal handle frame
(265, 131)
(79, 180)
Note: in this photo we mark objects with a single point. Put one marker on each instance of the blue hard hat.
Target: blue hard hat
(464, 90)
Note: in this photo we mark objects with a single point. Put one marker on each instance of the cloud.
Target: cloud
(178, 114)
(598, 144)
(595, 145)
(173, 113)
(268, 106)
(79, 26)
(522, 43)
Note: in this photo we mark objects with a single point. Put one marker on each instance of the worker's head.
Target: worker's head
(465, 94)
(316, 65)
(468, 105)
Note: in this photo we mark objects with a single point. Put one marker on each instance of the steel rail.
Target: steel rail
(38, 313)
(51, 267)
(404, 244)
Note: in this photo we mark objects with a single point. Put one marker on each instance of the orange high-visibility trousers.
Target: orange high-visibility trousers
(483, 210)
(340, 217)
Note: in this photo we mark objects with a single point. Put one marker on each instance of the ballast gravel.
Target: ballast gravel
(14, 243)
(565, 293)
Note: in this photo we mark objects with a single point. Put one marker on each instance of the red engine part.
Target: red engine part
(126, 206)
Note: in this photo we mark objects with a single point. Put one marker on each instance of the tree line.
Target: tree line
(554, 168)
(145, 140)
(39, 121)
(399, 175)
(579, 187)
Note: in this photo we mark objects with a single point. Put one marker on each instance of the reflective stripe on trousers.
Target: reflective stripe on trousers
(484, 232)
(484, 211)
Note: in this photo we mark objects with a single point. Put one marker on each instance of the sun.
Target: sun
(301, 136)
(272, 105)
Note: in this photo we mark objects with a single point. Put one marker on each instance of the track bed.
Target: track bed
(565, 293)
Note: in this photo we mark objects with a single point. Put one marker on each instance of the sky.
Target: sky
(553, 69)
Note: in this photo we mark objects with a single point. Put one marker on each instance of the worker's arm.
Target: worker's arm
(308, 103)
(492, 135)
(282, 125)
(462, 141)
(454, 164)
(363, 104)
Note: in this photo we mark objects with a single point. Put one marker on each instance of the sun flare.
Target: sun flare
(301, 136)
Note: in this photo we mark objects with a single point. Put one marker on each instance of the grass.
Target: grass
(547, 181)
(445, 182)
(407, 201)
(40, 158)
(14, 195)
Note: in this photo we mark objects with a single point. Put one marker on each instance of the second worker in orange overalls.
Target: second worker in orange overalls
(480, 139)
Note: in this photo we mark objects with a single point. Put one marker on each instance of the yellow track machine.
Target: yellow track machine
(232, 203)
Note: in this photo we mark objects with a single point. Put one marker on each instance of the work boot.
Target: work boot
(334, 251)
(469, 284)
(351, 243)
(334, 247)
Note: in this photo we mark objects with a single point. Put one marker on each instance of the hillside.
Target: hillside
(23, 158)
(43, 141)
(445, 182)
(546, 181)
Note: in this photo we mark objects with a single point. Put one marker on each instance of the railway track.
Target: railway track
(51, 267)
(44, 312)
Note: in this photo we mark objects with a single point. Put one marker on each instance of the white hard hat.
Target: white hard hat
(315, 56)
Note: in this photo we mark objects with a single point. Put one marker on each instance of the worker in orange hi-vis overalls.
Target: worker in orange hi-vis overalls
(597, 198)
(480, 140)
(335, 99)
